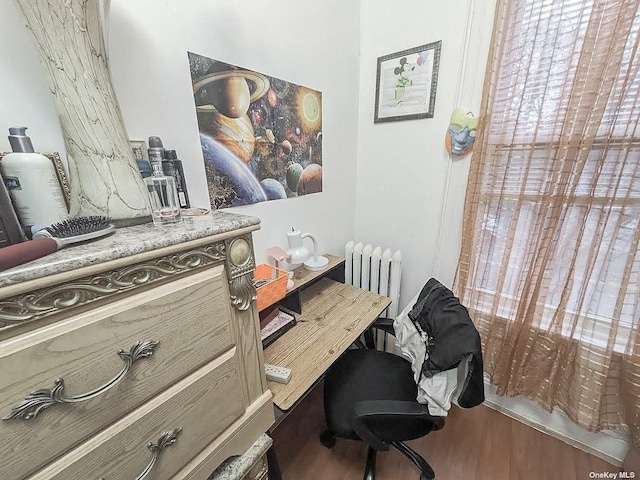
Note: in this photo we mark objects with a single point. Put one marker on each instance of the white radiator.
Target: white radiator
(373, 269)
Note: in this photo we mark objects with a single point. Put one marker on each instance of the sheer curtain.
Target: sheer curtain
(549, 266)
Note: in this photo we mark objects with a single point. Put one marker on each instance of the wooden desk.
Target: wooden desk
(333, 316)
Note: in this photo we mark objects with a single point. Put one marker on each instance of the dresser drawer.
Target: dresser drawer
(201, 406)
(190, 320)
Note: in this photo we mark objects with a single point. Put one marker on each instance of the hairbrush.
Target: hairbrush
(55, 237)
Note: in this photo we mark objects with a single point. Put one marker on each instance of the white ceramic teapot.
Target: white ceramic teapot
(298, 254)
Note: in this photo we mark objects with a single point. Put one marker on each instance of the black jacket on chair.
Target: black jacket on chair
(452, 339)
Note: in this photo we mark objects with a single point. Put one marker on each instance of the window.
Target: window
(547, 160)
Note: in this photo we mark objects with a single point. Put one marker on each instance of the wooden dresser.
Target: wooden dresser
(137, 356)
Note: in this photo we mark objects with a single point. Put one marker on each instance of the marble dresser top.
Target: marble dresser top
(236, 468)
(125, 242)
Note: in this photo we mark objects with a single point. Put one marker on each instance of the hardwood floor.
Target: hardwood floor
(477, 444)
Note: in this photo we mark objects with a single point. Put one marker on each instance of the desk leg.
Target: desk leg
(272, 461)
(292, 301)
(368, 339)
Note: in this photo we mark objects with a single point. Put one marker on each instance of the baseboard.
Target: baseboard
(608, 445)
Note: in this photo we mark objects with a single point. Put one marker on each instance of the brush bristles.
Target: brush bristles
(78, 226)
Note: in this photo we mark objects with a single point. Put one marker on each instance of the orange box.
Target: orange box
(273, 291)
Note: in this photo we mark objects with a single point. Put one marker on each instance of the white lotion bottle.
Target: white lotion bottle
(32, 182)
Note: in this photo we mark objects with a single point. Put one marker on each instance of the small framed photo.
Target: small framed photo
(60, 173)
(139, 148)
(406, 84)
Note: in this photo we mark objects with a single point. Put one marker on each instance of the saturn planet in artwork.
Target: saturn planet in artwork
(229, 92)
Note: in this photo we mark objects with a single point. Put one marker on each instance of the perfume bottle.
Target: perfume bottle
(165, 206)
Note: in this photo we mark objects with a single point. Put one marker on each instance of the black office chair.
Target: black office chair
(370, 395)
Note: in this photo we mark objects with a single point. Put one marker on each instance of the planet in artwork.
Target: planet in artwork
(294, 171)
(309, 108)
(310, 180)
(272, 98)
(229, 91)
(235, 133)
(231, 182)
(286, 147)
(273, 188)
(231, 96)
(270, 136)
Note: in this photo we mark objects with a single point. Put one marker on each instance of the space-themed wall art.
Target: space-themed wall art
(406, 83)
(261, 137)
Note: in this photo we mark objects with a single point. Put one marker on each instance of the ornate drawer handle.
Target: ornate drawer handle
(40, 400)
(166, 440)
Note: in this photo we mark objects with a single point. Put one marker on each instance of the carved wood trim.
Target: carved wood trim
(240, 264)
(48, 301)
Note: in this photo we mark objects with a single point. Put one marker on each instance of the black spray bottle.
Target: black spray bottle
(173, 166)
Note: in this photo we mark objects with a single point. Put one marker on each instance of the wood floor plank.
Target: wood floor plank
(476, 444)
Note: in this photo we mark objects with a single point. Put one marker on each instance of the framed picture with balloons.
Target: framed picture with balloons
(406, 83)
(261, 136)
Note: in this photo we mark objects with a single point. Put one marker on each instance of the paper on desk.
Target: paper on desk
(276, 324)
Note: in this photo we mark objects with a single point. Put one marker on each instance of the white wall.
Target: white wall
(309, 43)
(409, 190)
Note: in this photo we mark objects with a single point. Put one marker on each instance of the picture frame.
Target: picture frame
(60, 173)
(406, 83)
(261, 139)
(139, 148)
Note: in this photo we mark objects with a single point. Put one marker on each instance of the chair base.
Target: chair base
(426, 472)
(328, 440)
(370, 468)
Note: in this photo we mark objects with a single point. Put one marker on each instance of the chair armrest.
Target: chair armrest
(365, 413)
(380, 323)
(384, 324)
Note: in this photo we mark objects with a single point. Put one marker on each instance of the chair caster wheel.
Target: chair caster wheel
(327, 439)
(424, 477)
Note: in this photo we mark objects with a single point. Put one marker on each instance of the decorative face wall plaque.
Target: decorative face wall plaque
(261, 137)
(461, 133)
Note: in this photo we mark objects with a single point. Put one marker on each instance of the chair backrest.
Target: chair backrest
(450, 339)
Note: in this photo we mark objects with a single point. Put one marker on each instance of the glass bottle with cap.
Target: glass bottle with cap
(165, 206)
